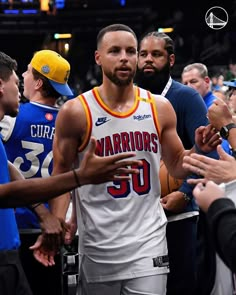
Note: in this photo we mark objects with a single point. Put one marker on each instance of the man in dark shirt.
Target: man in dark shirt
(156, 59)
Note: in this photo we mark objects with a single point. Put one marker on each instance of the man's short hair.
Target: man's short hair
(169, 43)
(7, 66)
(202, 69)
(113, 28)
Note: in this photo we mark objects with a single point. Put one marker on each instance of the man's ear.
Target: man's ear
(39, 83)
(1, 87)
(207, 80)
(97, 57)
(172, 60)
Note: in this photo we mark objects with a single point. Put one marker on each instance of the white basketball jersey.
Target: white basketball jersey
(122, 225)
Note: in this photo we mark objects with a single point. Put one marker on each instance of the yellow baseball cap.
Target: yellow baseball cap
(53, 66)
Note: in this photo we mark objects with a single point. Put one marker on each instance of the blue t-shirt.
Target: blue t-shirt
(9, 236)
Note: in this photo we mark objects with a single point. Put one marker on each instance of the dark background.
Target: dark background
(21, 35)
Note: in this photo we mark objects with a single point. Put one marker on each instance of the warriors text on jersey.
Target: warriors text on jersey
(122, 224)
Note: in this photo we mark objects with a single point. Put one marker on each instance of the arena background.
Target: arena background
(27, 26)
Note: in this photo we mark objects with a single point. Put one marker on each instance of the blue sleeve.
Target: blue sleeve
(195, 116)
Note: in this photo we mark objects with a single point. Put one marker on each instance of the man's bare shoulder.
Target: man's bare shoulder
(72, 116)
(162, 102)
(72, 107)
(165, 111)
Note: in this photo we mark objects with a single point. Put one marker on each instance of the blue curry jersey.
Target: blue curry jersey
(28, 142)
(9, 237)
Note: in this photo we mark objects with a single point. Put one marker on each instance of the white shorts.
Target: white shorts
(149, 285)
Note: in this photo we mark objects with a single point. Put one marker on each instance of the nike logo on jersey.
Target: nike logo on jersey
(102, 120)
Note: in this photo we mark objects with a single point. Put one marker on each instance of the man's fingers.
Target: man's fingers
(120, 164)
(195, 181)
(92, 145)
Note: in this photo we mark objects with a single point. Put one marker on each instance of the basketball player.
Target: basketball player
(155, 62)
(94, 169)
(122, 224)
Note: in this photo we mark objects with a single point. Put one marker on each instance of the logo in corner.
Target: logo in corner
(101, 121)
(216, 17)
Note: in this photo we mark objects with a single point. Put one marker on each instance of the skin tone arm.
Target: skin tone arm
(66, 143)
(173, 151)
(93, 169)
(48, 222)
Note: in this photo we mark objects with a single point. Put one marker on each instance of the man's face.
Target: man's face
(153, 57)
(117, 55)
(10, 95)
(29, 83)
(154, 64)
(194, 80)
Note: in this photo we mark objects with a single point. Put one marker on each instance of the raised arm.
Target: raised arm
(173, 151)
(65, 147)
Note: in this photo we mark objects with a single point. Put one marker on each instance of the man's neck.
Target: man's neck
(49, 101)
(117, 97)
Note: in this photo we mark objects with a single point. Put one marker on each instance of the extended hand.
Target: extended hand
(207, 138)
(222, 170)
(174, 202)
(70, 232)
(54, 230)
(41, 254)
(95, 169)
(207, 193)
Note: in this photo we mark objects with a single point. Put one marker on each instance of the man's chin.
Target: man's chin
(148, 73)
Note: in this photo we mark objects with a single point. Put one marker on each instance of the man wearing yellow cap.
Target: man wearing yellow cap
(28, 141)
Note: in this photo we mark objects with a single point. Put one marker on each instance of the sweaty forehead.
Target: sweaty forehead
(118, 39)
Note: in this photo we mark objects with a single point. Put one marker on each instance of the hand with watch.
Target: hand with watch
(221, 118)
(224, 131)
(220, 115)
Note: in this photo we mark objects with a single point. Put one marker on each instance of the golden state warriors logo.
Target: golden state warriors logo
(216, 18)
(45, 69)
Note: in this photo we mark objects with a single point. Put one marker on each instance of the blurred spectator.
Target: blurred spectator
(231, 73)
(195, 75)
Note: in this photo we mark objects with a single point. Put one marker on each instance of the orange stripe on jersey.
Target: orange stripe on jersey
(89, 123)
(155, 113)
(111, 112)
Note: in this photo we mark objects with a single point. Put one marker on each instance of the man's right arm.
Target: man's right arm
(65, 148)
